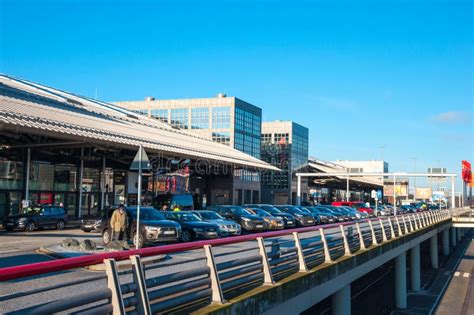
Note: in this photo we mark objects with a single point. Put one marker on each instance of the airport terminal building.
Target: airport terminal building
(60, 148)
(223, 119)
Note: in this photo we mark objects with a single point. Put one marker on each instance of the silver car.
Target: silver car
(226, 227)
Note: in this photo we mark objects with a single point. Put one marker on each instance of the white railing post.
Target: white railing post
(361, 237)
(347, 250)
(398, 226)
(374, 238)
(405, 228)
(267, 271)
(143, 306)
(299, 249)
(384, 235)
(392, 231)
(412, 226)
(113, 283)
(327, 254)
(425, 217)
(217, 294)
(420, 223)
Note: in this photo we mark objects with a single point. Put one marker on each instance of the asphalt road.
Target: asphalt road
(459, 296)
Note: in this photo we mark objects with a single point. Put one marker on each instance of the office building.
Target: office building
(284, 145)
(226, 120)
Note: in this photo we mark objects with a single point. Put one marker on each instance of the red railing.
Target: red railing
(28, 270)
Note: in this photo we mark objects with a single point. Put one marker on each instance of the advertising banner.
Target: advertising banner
(401, 190)
(423, 193)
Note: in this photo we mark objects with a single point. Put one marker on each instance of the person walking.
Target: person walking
(119, 223)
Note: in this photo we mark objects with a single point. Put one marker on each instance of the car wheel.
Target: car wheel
(8, 229)
(30, 227)
(186, 236)
(137, 240)
(106, 237)
(60, 225)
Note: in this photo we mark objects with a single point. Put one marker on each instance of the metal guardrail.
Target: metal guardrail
(207, 272)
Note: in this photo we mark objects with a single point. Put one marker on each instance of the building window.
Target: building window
(356, 170)
(179, 118)
(141, 111)
(200, 118)
(266, 138)
(160, 114)
(239, 141)
(221, 137)
(221, 118)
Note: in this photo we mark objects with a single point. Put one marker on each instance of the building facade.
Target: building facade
(226, 120)
(284, 145)
(372, 166)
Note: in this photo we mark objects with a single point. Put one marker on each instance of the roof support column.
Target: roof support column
(81, 175)
(341, 301)
(348, 196)
(27, 179)
(298, 191)
(453, 236)
(102, 186)
(401, 281)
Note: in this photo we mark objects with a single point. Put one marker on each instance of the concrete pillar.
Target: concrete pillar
(446, 242)
(341, 301)
(434, 251)
(401, 281)
(458, 234)
(415, 268)
(453, 236)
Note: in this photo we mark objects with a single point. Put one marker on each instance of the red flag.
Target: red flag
(466, 171)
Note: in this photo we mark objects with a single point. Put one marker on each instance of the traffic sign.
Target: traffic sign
(145, 162)
(379, 194)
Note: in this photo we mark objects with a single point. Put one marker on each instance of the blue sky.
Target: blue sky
(359, 74)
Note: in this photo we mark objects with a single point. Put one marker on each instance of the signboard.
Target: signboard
(373, 194)
(379, 194)
(401, 190)
(437, 179)
(423, 193)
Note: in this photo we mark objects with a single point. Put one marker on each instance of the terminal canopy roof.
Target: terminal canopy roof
(34, 108)
(320, 166)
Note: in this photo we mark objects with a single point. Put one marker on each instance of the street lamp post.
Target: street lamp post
(414, 180)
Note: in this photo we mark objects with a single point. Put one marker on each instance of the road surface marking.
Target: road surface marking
(457, 273)
(466, 275)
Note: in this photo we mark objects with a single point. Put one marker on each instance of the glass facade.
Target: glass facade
(200, 118)
(160, 114)
(221, 117)
(179, 118)
(11, 175)
(247, 132)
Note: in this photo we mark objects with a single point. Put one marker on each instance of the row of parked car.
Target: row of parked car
(219, 221)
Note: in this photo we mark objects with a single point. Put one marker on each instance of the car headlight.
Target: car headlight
(298, 215)
(22, 220)
(98, 222)
(198, 230)
(245, 219)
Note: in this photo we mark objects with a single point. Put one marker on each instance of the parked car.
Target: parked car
(325, 216)
(338, 216)
(154, 227)
(37, 217)
(307, 212)
(348, 215)
(379, 210)
(248, 221)
(408, 209)
(91, 223)
(359, 205)
(302, 219)
(182, 201)
(226, 227)
(193, 228)
(269, 221)
(288, 219)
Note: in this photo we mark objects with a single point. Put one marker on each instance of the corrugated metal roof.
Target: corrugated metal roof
(38, 107)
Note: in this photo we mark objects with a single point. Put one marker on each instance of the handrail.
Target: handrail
(27, 270)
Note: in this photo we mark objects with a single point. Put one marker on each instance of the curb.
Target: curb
(121, 265)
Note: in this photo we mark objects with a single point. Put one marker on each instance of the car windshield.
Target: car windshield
(270, 209)
(239, 211)
(147, 214)
(360, 205)
(260, 212)
(210, 215)
(185, 216)
(32, 210)
(304, 210)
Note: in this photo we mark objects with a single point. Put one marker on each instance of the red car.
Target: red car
(359, 205)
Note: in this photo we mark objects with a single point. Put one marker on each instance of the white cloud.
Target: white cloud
(452, 117)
